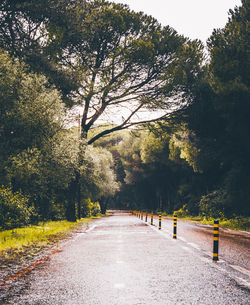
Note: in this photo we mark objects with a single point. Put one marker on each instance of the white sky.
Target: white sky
(191, 18)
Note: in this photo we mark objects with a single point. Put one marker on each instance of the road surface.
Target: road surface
(121, 260)
(234, 246)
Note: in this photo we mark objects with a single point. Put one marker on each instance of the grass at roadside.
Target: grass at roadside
(21, 247)
(41, 235)
(237, 223)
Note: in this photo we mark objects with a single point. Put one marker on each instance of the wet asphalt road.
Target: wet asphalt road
(123, 261)
(234, 246)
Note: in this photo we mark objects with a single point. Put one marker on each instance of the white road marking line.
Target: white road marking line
(241, 269)
(186, 248)
(242, 282)
(194, 246)
(208, 260)
(238, 279)
(119, 285)
(182, 239)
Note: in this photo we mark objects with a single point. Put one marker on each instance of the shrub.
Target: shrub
(182, 211)
(86, 207)
(14, 209)
(95, 209)
(90, 208)
(214, 204)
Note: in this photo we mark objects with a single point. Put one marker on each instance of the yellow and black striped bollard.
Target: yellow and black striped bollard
(152, 219)
(146, 218)
(160, 222)
(175, 227)
(216, 241)
(141, 215)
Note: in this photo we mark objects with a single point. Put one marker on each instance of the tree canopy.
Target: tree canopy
(125, 63)
(161, 128)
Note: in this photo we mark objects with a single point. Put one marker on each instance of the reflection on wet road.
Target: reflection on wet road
(123, 261)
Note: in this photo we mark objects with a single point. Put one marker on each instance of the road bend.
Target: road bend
(121, 260)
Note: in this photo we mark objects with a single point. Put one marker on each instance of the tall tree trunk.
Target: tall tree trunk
(71, 207)
(103, 205)
(78, 195)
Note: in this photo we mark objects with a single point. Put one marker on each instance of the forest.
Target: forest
(102, 107)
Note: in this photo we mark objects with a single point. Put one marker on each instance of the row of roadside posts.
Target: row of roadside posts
(215, 232)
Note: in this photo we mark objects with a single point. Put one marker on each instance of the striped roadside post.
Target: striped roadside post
(160, 222)
(175, 227)
(152, 218)
(141, 215)
(216, 241)
(146, 218)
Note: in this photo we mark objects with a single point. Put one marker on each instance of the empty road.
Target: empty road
(121, 260)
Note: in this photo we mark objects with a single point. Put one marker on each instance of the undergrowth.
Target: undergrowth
(40, 235)
(237, 223)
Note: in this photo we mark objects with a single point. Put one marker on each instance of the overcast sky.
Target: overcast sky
(192, 18)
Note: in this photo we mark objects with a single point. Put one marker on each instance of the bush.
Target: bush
(90, 208)
(14, 209)
(95, 209)
(86, 207)
(182, 211)
(214, 204)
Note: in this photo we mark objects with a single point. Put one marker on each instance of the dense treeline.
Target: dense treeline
(57, 57)
(40, 156)
(197, 161)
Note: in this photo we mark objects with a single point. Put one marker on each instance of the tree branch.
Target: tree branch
(124, 125)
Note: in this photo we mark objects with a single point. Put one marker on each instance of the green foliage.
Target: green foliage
(154, 148)
(55, 22)
(31, 110)
(39, 156)
(90, 208)
(37, 236)
(95, 209)
(15, 210)
(97, 173)
(230, 53)
(182, 212)
(126, 59)
(199, 158)
(86, 207)
(229, 70)
(103, 56)
(213, 204)
(182, 145)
